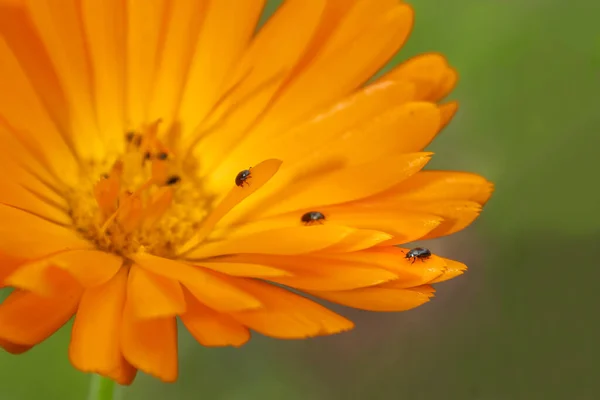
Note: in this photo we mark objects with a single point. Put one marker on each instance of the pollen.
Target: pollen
(144, 199)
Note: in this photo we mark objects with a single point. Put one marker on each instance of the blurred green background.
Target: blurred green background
(522, 323)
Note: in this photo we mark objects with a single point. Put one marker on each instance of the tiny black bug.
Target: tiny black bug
(418, 253)
(242, 177)
(311, 217)
(173, 180)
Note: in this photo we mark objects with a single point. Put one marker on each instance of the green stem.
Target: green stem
(101, 388)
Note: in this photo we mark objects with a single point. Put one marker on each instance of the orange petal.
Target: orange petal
(243, 269)
(294, 240)
(286, 315)
(404, 226)
(105, 28)
(16, 195)
(431, 186)
(145, 35)
(447, 112)
(453, 269)
(24, 166)
(259, 175)
(316, 273)
(25, 235)
(153, 296)
(445, 86)
(28, 319)
(427, 71)
(180, 27)
(407, 128)
(95, 337)
(89, 268)
(277, 47)
(355, 52)
(32, 100)
(150, 345)
(359, 240)
(224, 33)
(321, 187)
(211, 328)
(210, 288)
(61, 30)
(457, 215)
(13, 348)
(394, 260)
(8, 265)
(333, 73)
(379, 298)
(328, 124)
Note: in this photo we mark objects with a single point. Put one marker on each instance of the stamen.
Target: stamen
(149, 198)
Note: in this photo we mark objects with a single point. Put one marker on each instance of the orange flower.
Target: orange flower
(127, 130)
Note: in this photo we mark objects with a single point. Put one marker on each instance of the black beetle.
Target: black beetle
(418, 253)
(242, 177)
(312, 217)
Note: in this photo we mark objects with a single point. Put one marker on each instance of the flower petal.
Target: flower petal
(405, 226)
(145, 36)
(23, 234)
(32, 99)
(355, 52)
(180, 26)
(210, 288)
(28, 319)
(243, 269)
(457, 215)
(104, 24)
(323, 126)
(359, 240)
(210, 328)
(427, 71)
(294, 240)
(227, 34)
(286, 315)
(447, 112)
(13, 348)
(381, 298)
(394, 260)
(446, 85)
(453, 269)
(259, 175)
(16, 195)
(150, 345)
(321, 187)
(316, 273)
(275, 49)
(153, 296)
(22, 165)
(448, 185)
(89, 267)
(61, 31)
(95, 338)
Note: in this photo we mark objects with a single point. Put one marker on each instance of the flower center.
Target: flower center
(143, 199)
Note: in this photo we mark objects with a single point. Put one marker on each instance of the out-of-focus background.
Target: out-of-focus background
(523, 322)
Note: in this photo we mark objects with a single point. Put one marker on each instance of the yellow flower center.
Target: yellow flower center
(143, 199)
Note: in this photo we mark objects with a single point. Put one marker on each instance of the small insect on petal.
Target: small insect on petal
(242, 177)
(172, 180)
(418, 253)
(312, 217)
